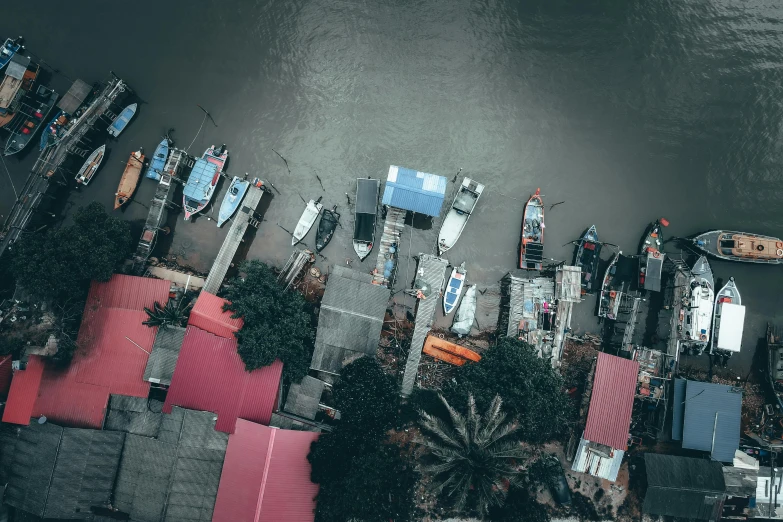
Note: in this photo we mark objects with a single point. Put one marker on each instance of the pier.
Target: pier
(392, 230)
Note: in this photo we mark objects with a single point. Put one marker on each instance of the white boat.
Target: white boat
(232, 199)
(464, 202)
(466, 313)
(90, 166)
(698, 305)
(728, 320)
(305, 223)
(454, 288)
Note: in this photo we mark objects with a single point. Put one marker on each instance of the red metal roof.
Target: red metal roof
(5, 375)
(208, 315)
(210, 376)
(266, 476)
(108, 360)
(609, 417)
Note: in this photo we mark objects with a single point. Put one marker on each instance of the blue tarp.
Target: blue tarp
(200, 180)
(415, 191)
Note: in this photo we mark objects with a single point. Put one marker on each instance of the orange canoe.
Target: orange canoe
(443, 356)
(130, 179)
(452, 348)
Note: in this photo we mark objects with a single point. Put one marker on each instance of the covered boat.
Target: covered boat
(617, 281)
(531, 247)
(696, 314)
(200, 187)
(454, 288)
(19, 79)
(466, 313)
(651, 256)
(587, 257)
(307, 220)
(326, 227)
(740, 246)
(90, 167)
(366, 211)
(122, 120)
(158, 160)
(728, 321)
(37, 107)
(232, 199)
(10, 47)
(130, 179)
(464, 202)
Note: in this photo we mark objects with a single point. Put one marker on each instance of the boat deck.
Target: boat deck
(392, 230)
(235, 235)
(433, 271)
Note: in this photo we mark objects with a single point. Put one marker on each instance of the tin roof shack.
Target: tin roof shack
(530, 311)
(683, 487)
(706, 417)
(605, 439)
(769, 495)
(416, 191)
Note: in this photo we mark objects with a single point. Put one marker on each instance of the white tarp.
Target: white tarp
(732, 322)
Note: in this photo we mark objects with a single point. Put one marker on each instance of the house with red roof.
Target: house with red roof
(605, 438)
(208, 315)
(266, 476)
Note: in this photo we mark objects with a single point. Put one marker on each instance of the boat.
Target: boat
(740, 246)
(454, 288)
(775, 362)
(326, 227)
(617, 282)
(232, 199)
(696, 313)
(651, 256)
(217, 156)
(531, 247)
(130, 179)
(37, 108)
(53, 132)
(158, 161)
(203, 179)
(587, 257)
(449, 352)
(305, 223)
(365, 213)
(10, 47)
(90, 167)
(466, 313)
(122, 120)
(728, 321)
(464, 202)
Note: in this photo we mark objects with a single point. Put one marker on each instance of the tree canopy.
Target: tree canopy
(278, 324)
(366, 397)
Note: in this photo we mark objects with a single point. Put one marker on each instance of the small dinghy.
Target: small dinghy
(122, 120)
(728, 321)
(587, 257)
(90, 166)
(159, 159)
(326, 227)
(232, 199)
(531, 246)
(130, 179)
(365, 212)
(464, 202)
(454, 288)
(466, 313)
(305, 223)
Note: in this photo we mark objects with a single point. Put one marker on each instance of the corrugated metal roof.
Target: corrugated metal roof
(712, 419)
(266, 476)
(413, 190)
(165, 350)
(208, 315)
(5, 375)
(136, 415)
(211, 376)
(367, 196)
(609, 417)
(17, 66)
(24, 392)
(678, 408)
(74, 97)
(683, 487)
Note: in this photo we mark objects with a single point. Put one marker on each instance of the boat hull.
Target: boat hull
(454, 288)
(130, 179)
(232, 200)
(91, 166)
(23, 133)
(306, 222)
(587, 257)
(326, 228)
(696, 319)
(462, 207)
(731, 245)
(365, 215)
(531, 246)
(9, 48)
(201, 184)
(122, 120)
(158, 161)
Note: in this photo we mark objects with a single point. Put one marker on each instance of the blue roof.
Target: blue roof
(200, 180)
(711, 419)
(415, 191)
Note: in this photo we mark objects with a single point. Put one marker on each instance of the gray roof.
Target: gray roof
(350, 321)
(165, 351)
(136, 415)
(740, 482)
(74, 97)
(17, 66)
(711, 418)
(683, 487)
(303, 398)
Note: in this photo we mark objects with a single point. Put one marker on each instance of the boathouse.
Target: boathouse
(685, 488)
(416, 191)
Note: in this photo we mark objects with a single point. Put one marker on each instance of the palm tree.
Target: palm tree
(476, 456)
(163, 316)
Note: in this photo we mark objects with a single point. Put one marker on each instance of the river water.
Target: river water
(626, 111)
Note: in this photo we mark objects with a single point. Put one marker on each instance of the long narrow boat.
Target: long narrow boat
(158, 161)
(466, 313)
(464, 202)
(587, 257)
(365, 213)
(9, 49)
(740, 246)
(203, 179)
(696, 316)
(651, 256)
(36, 111)
(454, 288)
(305, 223)
(90, 167)
(326, 227)
(232, 199)
(122, 120)
(728, 320)
(531, 247)
(130, 179)
(609, 300)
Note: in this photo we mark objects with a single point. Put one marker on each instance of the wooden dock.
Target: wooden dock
(239, 225)
(392, 230)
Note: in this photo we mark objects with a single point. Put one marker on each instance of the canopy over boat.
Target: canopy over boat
(728, 319)
(466, 313)
(366, 211)
(200, 187)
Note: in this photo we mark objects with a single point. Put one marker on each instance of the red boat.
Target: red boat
(531, 247)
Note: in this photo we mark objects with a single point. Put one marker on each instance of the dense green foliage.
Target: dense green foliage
(366, 397)
(169, 315)
(278, 324)
(532, 390)
(60, 263)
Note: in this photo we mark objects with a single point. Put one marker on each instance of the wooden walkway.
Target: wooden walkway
(392, 230)
(239, 225)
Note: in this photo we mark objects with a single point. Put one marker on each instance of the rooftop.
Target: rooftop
(609, 416)
(208, 315)
(683, 487)
(415, 191)
(165, 351)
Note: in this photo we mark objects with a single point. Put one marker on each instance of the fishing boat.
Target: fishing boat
(696, 313)
(365, 213)
(232, 199)
(19, 79)
(617, 282)
(728, 321)
(10, 47)
(326, 227)
(217, 156)
(651, 256)
(90, 167)
(464, 202)
(587, 257)
(36, 109)
(122, 120)
(466, 313)
(158, 161)
(454, 288)
(740, 246)
(531, 247)
(130, 179)
(53, 132)
(203, 179)
(305, 223)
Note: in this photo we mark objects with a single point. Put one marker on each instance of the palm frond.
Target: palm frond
(459, 422)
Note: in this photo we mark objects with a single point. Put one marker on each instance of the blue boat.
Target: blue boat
(54, 131)
(454, 288)
(9, 49)
(121, 121)
(158, 160)
(232, 199)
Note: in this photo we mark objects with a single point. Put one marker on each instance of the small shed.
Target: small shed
(683, 487)
(413, 190)
(75, 96)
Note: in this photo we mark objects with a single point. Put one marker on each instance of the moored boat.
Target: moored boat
(531, 247)
(10, 47)
(130, 179)
(464, 203)
(158, 161)
(740, 246)
(326, 227)
(122, 120)
(90, 166)
(466, 313)
(365, 214)
(728, 321)
(218, 156)
(617, 281)
(696, 313)
(36, 111)
(651, 256)
(19, 79)
(200, 187)
(305, 223)
(454, 288)
(232, 199)
(587, 257)
(52, 133)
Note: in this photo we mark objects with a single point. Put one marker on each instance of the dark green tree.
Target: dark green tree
(278, 324)
(532, 390)
(366, 397)
(520, 506)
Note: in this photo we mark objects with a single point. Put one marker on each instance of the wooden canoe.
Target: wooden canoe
(130, 179)
(455, 349)
(443, 356)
